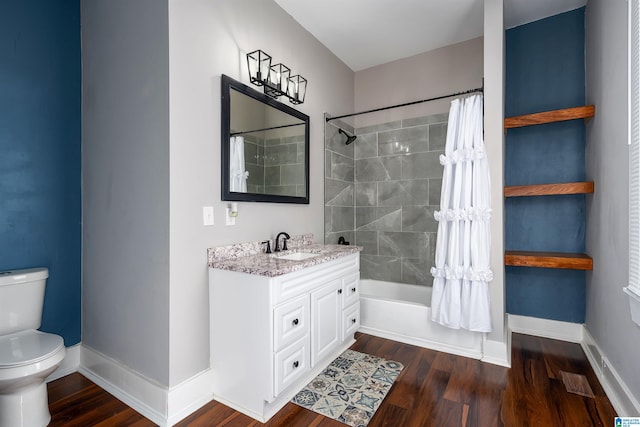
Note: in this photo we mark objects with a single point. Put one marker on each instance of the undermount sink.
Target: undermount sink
(297, 256)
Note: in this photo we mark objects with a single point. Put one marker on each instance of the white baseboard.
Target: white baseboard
(497, 352)
(555, 329)
(625, 404)
(156, 402)
(69, 364)
(433, 345)
(189, 396)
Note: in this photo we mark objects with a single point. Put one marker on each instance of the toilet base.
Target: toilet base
(30, 408)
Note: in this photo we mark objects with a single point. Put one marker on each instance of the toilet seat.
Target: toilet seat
(27, 347)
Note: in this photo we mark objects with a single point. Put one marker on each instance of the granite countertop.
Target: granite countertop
(273, 265)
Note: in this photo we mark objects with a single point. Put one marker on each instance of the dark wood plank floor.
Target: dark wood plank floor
(435, 389)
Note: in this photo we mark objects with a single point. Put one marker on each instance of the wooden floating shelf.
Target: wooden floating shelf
(548, 189)
(564, 114)
(548, 260)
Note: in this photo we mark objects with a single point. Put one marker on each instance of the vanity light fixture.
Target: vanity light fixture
(276, 80)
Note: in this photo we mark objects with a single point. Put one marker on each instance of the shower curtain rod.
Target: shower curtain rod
(271, 128)
(466, 92)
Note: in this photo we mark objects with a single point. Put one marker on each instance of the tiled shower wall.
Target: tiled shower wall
(381, 193)
(276, 165)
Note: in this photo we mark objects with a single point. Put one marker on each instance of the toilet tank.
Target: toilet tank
(21, 299)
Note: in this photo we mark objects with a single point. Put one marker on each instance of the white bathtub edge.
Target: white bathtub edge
(458, 351)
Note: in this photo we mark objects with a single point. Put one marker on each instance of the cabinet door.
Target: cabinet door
(326, 319)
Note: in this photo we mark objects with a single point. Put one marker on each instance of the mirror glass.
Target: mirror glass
(265, 147)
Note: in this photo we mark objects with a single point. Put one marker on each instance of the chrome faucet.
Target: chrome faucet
(284, 242)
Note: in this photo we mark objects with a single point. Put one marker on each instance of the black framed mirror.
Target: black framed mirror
(265, 147)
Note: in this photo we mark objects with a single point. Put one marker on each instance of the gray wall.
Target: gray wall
(608, 317)
(206, 39)
(125, 180)
(151, 161)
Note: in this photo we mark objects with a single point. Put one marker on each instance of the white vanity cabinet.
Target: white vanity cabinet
(271, 335)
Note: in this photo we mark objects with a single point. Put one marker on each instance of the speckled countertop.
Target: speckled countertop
(249, 258)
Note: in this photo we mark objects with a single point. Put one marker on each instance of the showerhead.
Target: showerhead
(350, 138)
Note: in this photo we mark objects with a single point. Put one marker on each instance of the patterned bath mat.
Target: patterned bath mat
(351, 388)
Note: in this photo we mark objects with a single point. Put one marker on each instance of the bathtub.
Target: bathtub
(401, 312)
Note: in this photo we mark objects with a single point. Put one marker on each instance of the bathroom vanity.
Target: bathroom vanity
(277, 320)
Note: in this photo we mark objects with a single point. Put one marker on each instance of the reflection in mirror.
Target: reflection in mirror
(265, 147)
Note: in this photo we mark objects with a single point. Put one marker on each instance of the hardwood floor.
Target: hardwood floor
(434, 389)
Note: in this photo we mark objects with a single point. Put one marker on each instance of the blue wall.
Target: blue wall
(545, 71)
(40, 133)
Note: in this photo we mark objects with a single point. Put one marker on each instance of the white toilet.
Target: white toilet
(27, 356)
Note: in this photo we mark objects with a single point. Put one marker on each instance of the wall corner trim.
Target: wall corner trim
(156, 402)
(625, 404)
(497, 352)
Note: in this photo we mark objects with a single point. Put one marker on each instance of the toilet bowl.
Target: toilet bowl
(27, 356)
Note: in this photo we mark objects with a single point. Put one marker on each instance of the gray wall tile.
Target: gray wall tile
(394, 196)
(404, 141)
(378, 169)
(292, 174)
(366, 145)
(281, 190)
(300, 151)
(338, 193)
(281, 155)
(380, 128)
(341, 219)
(368, 240)
(380, 268)
(386, 218)
(250, 153)
(327, 164)
(435, 189)
(342, 167)
(332, 238)
(256, 175)
(419, 218)
(403, 244)
(272, 175)
(366, 194)
(422, 165)
(335, 141)
(425, 120)
(437, 136)
(417, 272)
(406, 192)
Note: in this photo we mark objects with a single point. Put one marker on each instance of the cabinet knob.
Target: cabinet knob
(340, 291)
(296, 364)
(295, 322)
(353, 320)
(353, 289)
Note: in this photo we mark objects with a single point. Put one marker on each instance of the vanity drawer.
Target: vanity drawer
(350, 320)
(350, 289)
(304, 281)
(291, 364)
(291, 322)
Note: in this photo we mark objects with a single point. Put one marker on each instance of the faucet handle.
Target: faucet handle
(284, 243)
(268, 243)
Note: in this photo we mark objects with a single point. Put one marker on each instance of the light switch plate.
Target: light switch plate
(207, 215)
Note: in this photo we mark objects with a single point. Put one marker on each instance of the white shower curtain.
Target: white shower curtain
(460, 297)
(238, 175)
